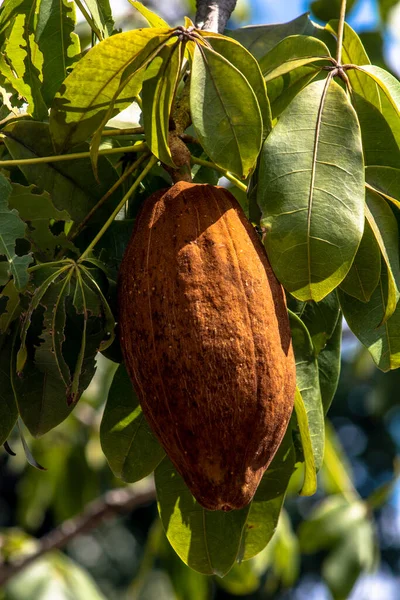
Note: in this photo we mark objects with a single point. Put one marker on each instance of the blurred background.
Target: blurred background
(323, 545)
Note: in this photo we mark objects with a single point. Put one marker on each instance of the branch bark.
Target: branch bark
(213, 15)
(112, 504)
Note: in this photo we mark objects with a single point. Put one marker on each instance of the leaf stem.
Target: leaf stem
(111, 218)
(340, 32)
(138, 147)
(89, 20)
(206, 163)
(126, 131)
(102, 200)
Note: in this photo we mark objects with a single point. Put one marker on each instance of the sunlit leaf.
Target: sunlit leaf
(58, 43)
(329, 366)
(84, 98)
(127, 441)
(151, 17)
(308, 386)
(159, 88)
(207, 541)
(310, 477)
(101, 13)
(311, 191)
(229, 126)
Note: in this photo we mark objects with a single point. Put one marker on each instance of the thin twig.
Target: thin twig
(112, 504)
(340, 32)
(106, 196)
(139, 147)
(126, 131)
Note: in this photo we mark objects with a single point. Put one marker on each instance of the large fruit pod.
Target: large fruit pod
(206, 340)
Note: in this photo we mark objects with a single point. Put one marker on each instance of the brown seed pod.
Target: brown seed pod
(206, 340)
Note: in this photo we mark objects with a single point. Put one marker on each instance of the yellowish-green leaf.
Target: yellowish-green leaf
(151, 17)
(292, 52)
(310, 477)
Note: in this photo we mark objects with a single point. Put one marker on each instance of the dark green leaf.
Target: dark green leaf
(12, 229)
(127, 441)
(240, 58)
(207, 541)
(58, 43)
(282, 90)
(320, 318)
(84, 99)
(8, 407)
(38, 212)
(260, 39)
(308, 385)
(159, 88)
(329, 366)
(291, 53)
(71, 184)
(382, 341)
(229, 126)
(379, 144)
(311, 191)
(365, 272)
(11, 308)
(384, 227)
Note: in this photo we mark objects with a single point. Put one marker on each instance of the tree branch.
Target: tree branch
(213, 15)
(112, 504)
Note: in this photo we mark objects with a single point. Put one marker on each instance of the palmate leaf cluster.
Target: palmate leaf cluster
(315, 143)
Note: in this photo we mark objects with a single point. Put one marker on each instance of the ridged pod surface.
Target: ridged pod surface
(206, 340)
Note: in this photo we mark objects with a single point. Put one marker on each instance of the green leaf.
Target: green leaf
(379, 144)
(385, 181)
(20, 62)
(291, 53)
(260, 39)
(10, 310)
(310, 476)
(282, 90)
(12, 229)
(58, 43)
(382, 341)
(228, 125)
(71, 184)
(8, 407)
(389, 96)
(241, 580)
(159, 88)
(311, 191)
(266, 505)
(240, 58)
(127, 441)
(320, 318)
(84, 98)
(102, 16)
(308, 386)
(384, 227)
(151, 17)
(207, 541)
(329, 366)
(365, 272)
(38, 212)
